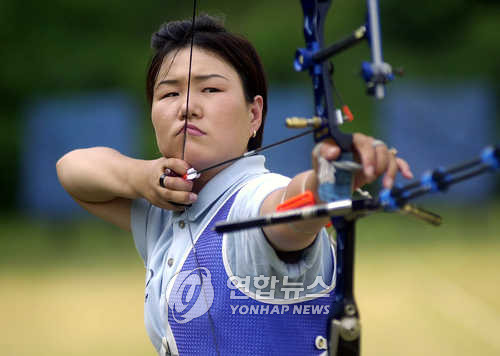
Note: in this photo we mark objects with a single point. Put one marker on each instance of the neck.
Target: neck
(205, 177)
(209, 174)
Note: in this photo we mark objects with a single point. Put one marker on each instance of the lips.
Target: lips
(192, 130)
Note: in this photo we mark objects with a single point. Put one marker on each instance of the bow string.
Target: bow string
(184, 145)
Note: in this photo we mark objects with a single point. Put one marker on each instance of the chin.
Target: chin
(171, 154)
(200, 159)
(197, 158)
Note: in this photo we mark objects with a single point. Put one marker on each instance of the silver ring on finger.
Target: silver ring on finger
(163, 176)
(162, 180)
(376, 143)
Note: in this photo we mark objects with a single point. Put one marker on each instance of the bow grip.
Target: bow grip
(335, 183)
(340, 187)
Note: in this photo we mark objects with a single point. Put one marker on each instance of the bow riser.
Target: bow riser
(336, 187)
(324, 107)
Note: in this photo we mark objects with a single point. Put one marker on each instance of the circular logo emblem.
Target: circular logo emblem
(192, 295)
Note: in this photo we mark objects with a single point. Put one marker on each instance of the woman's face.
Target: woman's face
(220, 120)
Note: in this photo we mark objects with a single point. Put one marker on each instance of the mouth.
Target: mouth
(192, 130)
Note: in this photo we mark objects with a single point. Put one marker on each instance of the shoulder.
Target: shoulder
(251, 195)
(147, 223)
(144, 213)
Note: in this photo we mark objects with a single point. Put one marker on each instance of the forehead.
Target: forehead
(176, 64)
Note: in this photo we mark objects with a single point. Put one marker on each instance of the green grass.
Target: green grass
(77, 289)
(47, 244)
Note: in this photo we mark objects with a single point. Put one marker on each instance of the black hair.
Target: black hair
(211, 35)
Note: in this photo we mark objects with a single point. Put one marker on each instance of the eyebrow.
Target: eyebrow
(197, 78)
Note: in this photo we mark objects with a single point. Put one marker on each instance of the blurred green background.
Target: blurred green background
(75, 287)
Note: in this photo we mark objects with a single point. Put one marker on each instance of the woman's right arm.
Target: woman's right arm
(104, 182)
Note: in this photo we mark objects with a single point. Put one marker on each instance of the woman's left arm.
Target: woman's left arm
(376, 159)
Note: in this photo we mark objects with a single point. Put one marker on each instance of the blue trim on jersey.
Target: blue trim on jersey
(263, 332)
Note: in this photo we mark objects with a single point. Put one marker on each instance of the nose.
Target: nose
(190, 108)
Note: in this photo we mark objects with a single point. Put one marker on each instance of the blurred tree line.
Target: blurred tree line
(66, 47)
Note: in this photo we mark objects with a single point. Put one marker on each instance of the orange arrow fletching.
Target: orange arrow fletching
(347, 113)
(298, 201)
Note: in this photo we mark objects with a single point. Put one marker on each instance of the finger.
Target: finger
(404, 168)
(363, 146)
(359, 181)
(390, 175)
(382, 159)
(175, 165)
(157, 198)
(179, 197)
(329, 150)
(167, 199)
(177, 183)
(315, 154)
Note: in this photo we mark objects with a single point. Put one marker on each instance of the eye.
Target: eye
(211, 90)
(170, 94)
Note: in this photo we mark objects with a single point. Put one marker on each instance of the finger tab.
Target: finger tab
(171, 173)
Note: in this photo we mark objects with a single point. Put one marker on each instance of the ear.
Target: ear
(255, 113)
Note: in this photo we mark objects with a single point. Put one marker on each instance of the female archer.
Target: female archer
(246, 292)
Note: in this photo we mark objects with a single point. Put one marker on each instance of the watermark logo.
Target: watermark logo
(269, 288)
(192, 295)
(266, 309)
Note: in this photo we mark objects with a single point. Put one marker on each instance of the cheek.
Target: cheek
(154, 115)
(232, 114)
(162, 125)
(161, 117)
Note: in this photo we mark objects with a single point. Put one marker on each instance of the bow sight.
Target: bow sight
(375, 73)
